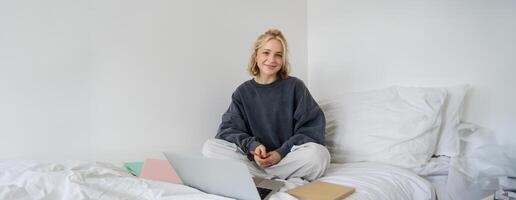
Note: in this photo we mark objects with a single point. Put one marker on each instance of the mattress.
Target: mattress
(70, 179)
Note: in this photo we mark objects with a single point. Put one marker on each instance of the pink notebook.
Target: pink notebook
(159, 170)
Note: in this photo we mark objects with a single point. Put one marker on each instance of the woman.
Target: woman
(273, 124)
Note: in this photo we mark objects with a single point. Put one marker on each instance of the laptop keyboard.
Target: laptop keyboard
(263, 192)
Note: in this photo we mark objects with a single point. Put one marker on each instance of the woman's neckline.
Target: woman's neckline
(254, 82)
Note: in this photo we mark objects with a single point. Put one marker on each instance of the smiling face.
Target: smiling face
(269, 58)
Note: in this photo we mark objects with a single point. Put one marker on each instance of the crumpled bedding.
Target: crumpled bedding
(84, 180)
(72, 179)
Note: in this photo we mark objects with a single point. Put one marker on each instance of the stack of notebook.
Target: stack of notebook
(154, 169)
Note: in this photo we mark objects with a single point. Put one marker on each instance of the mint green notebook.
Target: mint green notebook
(134, 167)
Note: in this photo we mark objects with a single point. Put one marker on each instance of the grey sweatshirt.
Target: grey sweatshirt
(278, 115)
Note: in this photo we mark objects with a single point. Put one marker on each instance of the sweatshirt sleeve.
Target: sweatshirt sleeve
(309, 122)
(233, 127)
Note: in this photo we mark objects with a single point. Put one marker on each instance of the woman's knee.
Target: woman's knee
(208, 147)
(217, 148)
(317, 156)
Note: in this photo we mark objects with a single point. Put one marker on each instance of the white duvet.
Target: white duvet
(96, 180)
(380, 181)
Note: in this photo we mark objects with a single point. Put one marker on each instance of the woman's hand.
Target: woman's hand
(260, 151)
(264, 159)
(272, 158)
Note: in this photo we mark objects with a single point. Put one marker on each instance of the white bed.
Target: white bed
(95, 180)
(401, 127)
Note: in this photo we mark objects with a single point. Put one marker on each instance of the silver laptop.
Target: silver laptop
(221, 177)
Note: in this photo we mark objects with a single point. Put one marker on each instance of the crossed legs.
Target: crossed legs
(308, 161)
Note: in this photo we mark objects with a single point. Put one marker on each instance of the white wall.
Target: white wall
(120, 80)
(358, 45)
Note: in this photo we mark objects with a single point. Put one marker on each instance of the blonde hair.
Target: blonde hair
(271, 34)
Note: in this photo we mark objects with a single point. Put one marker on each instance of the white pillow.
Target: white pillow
(448, 143)
(397, 125)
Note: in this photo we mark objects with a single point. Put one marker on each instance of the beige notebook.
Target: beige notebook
(321, 191)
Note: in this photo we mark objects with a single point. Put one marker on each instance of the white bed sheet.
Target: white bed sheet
(96, 180)
(434, 167)
(436, 172)
(84, 180)
(380, 181)
(439, 182)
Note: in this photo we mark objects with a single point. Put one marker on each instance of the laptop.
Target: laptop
(221, 177)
